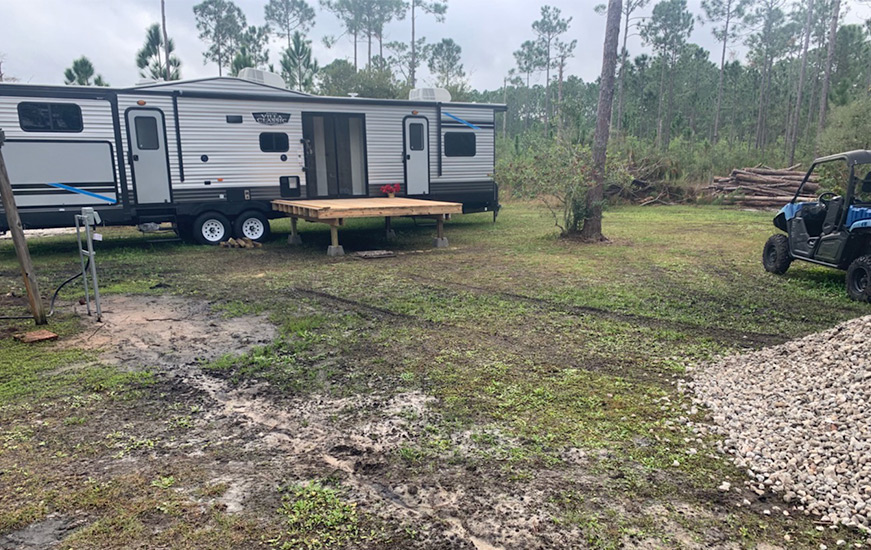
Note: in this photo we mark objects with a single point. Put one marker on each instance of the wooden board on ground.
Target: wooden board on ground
(335, 209)
(374, 254)
(41, 335)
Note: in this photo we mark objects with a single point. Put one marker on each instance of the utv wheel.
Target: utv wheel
(211, 228)
(775, 255)
(859, 279)
(253, 225)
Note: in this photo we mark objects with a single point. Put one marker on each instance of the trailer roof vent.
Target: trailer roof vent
(262, 77)
(430, 94)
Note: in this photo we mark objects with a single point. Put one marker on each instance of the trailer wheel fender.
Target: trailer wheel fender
(211, 228)
(252, 224)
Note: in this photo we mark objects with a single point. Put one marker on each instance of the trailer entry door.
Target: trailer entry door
(416, 134)
(149, 162)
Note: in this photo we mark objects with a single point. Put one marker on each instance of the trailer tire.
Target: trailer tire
(775, 255)
(211, 228)
(859, 279)
(252, 225)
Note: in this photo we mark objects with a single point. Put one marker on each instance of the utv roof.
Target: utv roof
(860, 156)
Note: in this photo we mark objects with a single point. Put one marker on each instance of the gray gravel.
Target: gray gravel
(797, 417)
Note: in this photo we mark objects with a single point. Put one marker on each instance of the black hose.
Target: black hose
(53, 297)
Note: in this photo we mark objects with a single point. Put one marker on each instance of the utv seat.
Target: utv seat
(833, 215)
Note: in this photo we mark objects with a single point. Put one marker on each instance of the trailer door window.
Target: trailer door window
(274, 142)
(415, 136)
(459, 144)
(146, 133)
(49, 117)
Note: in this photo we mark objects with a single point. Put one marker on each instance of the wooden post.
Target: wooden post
(294, 237)
(334, 235)
(440, 241)
(335, 249)
(18, 240)
(388, 228)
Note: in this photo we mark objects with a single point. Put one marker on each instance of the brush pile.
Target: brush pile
(762, 186)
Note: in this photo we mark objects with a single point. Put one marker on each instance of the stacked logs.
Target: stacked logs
(762, 186)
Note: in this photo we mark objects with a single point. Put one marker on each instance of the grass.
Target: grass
(531, 346)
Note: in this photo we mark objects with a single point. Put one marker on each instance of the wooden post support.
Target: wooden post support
(388, 229)
(440, 241)
(17, 230)
(294, 237)
(335, 249)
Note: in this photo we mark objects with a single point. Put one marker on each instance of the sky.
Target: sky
(40, 38)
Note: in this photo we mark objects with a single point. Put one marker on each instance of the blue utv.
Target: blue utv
(834, 231)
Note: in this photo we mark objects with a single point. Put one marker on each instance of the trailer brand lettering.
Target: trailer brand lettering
(272, 119)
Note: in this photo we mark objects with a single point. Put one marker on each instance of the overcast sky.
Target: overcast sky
(40, 38)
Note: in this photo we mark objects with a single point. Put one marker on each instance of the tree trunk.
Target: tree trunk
(830, 56)
(355, 51)
(592, 230)
(659, 107)
(412, 77)
(793, 136)
(504, 102)
(618, 124)
(668, 104)
(716, 135)
(165, 40)
(547, 92)
(559, 100)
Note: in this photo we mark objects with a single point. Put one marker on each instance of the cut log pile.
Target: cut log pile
(244, 242)
(762, 186)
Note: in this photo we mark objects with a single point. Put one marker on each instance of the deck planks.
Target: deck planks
(368, 207)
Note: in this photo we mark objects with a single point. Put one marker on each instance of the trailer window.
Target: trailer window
(274, 142)
(49, 117)
(415, 136)
(146, 133)
(459, 144)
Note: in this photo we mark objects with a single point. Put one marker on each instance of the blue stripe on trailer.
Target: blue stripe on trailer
(458, 119)
(82, 192)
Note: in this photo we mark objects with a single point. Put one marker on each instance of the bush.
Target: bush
(559, 174)
(849, 128)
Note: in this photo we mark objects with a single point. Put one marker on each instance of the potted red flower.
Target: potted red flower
(390, 190)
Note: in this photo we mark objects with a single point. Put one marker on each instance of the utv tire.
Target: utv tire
(211, 228)
(252, 225)
(775, 255)
(859, 279)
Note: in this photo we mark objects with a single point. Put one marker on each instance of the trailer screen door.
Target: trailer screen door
(416, 155)
(148, 158)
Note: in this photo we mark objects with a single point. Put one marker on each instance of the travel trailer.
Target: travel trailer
(209, 155)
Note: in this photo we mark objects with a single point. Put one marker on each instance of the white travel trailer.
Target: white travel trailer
(209, 155)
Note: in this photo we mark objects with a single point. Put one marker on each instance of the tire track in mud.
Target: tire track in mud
(741, 338)
(588, 362)
(291, 433)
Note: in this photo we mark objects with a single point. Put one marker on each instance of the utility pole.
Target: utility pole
(17, 231)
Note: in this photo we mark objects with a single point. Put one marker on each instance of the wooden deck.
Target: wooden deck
(375, 207)
(333, 212)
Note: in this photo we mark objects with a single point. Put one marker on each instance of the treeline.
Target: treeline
(698, 113)
(684, 110)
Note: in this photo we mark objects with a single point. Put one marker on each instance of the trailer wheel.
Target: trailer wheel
(859, 279)
(211, 228)
(253, 225)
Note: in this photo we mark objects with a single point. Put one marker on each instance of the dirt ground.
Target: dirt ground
(515, 391)
(274, 439)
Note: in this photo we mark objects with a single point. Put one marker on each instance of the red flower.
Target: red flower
(387, 189)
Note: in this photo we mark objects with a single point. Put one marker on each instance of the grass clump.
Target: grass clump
(317, 517)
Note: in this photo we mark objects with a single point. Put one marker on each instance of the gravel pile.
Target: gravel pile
(798, 417)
